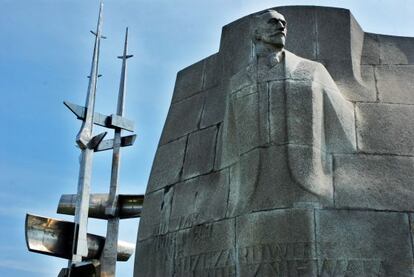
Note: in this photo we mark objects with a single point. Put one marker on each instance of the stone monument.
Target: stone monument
(286, 154)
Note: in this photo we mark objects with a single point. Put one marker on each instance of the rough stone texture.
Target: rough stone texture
(212, 72)
(156, 214)
(214, 106)
(371, 50)
(363, 243)
(183, 118)
(200, 200)
(395, 83)
(374, 182)
(167, 164)
(155, 256)
(284, 248)
(189, 81)
(299, 168)
(379, 124)
(206, 250)
(396, 50)
(261, 181)
(199, 157)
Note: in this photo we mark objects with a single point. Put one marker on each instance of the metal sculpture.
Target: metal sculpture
(88, 254)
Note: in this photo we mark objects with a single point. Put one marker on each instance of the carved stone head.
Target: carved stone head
(271, 28)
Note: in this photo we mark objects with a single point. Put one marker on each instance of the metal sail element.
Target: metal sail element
(108, 257)
(87, 143)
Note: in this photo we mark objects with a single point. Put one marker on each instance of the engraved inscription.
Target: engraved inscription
(185, 221)
(287, 268)
(159, 229)
(275, 251)
(215, 259)
(352, 267)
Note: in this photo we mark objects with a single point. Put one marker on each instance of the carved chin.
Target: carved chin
(278, 41)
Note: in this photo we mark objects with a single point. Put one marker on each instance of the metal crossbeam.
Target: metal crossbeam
(108, 144)
(128, 206)
(50, 236)
(109, 121)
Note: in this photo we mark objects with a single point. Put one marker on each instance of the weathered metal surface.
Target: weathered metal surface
(111, 121)
(54, 237)
(109, 143)
(108, 260)
(128, 206)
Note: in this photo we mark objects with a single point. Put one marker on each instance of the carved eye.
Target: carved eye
(272, 21)
(275, 21)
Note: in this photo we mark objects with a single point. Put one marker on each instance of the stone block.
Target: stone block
(371, 49)
(212, 71)
(396, 50)
(189, 81)
(304, 113)
(183, 118)
(214, 106)
(357, 42)
(200, 153)
(355, 85)
(374, 182)
(276, 243)
(363, 243)
(200, 200)
(155, 257)
(339, 123)
(277, 112)
(236, 56)
(249, 108)
(156, 213)
(166, 168)
(206, 250)
(262, 181)
(395, 83)
(332, 23)
(385, 128)
(311, 169)
(302, 23)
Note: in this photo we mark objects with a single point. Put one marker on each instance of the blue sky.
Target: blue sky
(45, 54)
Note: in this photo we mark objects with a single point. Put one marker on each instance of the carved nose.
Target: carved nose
(280, 26)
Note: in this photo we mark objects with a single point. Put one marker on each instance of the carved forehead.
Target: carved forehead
(271, 14)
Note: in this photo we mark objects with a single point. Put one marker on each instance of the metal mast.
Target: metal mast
(69, 240)
(87, 143)
(109, 254)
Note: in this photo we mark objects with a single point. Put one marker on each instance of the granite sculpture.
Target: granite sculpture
(286, 155)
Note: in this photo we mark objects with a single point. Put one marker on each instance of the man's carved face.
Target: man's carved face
(272, 28)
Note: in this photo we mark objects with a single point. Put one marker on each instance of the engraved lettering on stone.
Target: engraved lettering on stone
(343, 267)
(275, 251)
(205, 261)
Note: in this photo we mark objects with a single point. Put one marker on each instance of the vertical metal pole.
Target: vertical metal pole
(108, 258)
(80, 246)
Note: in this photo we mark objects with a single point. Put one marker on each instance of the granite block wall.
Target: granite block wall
(207, 216)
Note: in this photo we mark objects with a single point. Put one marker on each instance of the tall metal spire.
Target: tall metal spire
(52, 236)
(85, 133)
(87, 143)
(108, 258)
